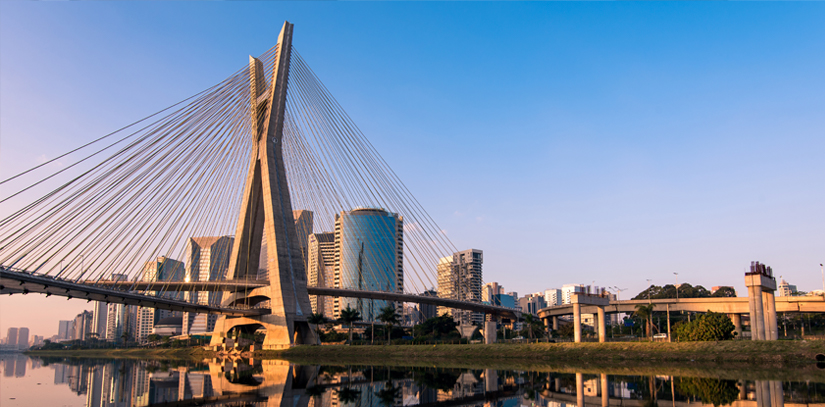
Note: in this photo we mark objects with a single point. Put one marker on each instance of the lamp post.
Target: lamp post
(822, 270)
(677, 286)
(648, 290)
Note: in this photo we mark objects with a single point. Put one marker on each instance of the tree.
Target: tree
(349, 316)
(728, 292)
(709, 327)
(388, 394)
(317, 319)
(390, 318)
(645, 312)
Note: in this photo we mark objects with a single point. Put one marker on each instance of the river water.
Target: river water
(34, 381)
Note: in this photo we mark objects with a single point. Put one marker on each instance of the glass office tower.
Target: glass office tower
(369, 255)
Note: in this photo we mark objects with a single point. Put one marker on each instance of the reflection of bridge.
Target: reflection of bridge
(237, 157)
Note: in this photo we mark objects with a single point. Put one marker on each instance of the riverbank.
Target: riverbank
(114, 353)
(765, 353)
(761, 353)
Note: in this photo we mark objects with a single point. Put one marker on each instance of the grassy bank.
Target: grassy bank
(765, 353)
(163, 354)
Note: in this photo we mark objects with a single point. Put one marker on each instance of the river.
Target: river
(48, 381)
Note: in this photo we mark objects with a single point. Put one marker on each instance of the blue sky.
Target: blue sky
(572, 142)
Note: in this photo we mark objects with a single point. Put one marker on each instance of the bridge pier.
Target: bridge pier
(490, 332)
(555, 323)
(577, 322)
(761, 302)
(588, 299)
(737, 324)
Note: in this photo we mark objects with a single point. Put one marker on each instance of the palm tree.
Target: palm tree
(348, 395)
(646, 312)
(317, 319)
(390, 318)
(533, 324)
(348, 316)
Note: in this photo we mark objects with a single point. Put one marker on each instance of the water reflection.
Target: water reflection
(225, 383)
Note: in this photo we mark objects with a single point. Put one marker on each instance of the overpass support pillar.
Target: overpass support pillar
(577, 323)
(771, 331)
(761, 286)
(602, 325)
(737, 324)
(579, 389)
(555, 323)
(756, 314)
(489, 332)
(605, 401)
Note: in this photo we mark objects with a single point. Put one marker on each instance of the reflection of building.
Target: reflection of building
(207, 259)
(321, 270)
(459, 278)
(369, 255)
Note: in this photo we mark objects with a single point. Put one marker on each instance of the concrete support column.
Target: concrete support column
(737, 323)
(766, 393)
(579, 390)
(555, 323)
(771, 331)
(757, 314)
(489, 332)
(605, 400)
(667, 308)
(601, 324)
(743, 392)
(777, 394)
(577, 323)
(490, 380)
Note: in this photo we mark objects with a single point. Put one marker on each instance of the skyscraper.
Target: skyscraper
(459, 278)
(23, 338)
(82, 326)
(321, 269)
(99, 319)
(11, 338)
(303, 227)
(207, 259)
(64, 330)
(369, 255)
(162, 269)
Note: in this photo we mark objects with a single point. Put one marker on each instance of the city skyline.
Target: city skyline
(713, 172)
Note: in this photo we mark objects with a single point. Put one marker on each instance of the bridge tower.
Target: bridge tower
(267, 209)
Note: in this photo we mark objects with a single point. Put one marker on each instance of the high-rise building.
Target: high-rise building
(532, 303)
(369, 255)
(303, 227)
(11, 338)
(120, 322)
(552, 296)
(82, 326)
(568, 290)
(785, 290)
(428, 310)
(23, 338)
(321, 270)
(207, 259)
(161, 270)
(459, 278)
(99, 320)
(65, 330)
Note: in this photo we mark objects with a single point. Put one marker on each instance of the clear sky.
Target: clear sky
(572, 142)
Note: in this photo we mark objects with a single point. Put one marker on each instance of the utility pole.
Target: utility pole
(822, 269)
(648, 290)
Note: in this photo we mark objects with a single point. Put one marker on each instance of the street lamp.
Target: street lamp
(822, 269)
(677, 286)
(648, 290)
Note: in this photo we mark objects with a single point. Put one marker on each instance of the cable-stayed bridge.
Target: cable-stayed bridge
(229, 164)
